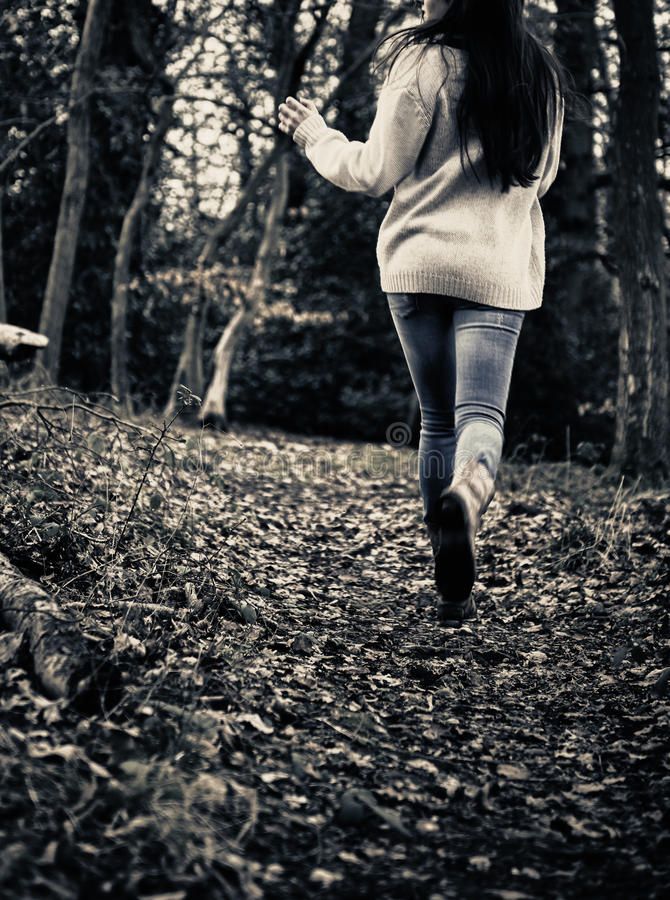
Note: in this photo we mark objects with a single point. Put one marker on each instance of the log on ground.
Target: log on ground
(66, 663)
(15, 341)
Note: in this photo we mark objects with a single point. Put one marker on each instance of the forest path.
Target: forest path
(304, 726)
(524, 753)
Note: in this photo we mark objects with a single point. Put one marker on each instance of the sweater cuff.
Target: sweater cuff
(309, 130)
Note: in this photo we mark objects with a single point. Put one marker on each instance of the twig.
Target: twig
(250, 824)
(24, 404)
(145, 474)
(132, 604)
(11, 157)
(204, 720)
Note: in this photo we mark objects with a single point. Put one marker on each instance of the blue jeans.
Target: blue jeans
(460, 357)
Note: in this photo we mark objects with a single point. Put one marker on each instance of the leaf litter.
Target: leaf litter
(294, 719)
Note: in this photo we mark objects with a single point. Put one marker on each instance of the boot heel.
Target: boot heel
(455, 614)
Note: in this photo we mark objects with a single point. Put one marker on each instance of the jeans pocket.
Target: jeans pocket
(402, 305)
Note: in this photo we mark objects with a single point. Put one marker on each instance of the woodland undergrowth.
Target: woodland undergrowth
(293, 720)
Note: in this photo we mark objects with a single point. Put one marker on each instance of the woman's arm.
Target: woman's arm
(372, 167)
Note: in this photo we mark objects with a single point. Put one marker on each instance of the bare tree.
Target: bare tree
(354, 95)
(641, 443)
(572, 204)
(189, 369)
(73, 197)
(164, 116)
(214, 404)
(292, 66)
(291, 69)
(119, 345)
(3, 299)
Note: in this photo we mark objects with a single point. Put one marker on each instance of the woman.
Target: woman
(467, 132)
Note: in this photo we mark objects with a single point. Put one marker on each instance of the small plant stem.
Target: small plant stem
(164, 430)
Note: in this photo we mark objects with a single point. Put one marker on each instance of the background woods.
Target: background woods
(160, 231)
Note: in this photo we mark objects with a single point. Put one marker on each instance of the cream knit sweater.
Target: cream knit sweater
(443, 233)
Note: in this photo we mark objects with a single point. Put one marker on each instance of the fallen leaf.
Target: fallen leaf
(423, 765)
(355, 806)
(42, 749)
(480, 863)
(324, 877)
(271, 777)
(9, 647)
(302, 643)
(588, 788)
(661, 684)
(618, 657)
(248, 613)
(515, 772)
(127, 643)
(255, 721)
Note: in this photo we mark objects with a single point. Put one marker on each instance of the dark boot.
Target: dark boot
(434, 535)
(448, 612)
(462, 506)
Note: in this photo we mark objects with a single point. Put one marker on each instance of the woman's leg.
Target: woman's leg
(424, 323)
(460, 358)
(486, 341)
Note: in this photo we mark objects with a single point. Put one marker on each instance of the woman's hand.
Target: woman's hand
(294, 112)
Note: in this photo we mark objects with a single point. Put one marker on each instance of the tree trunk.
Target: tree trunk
(183, 374)
(119, 347)
(353, 117)
(64, 660)
(74, 190)
(197, 367)
(3, 297)
(641, 443)
(189, 370)
(214, 405)
(571, 206)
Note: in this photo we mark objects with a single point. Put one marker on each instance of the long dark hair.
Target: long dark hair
(512, 86)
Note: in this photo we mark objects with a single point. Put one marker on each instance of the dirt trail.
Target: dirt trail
(303, 726)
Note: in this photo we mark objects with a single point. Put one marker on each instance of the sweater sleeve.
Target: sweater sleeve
(554, 155)
(372, 167)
